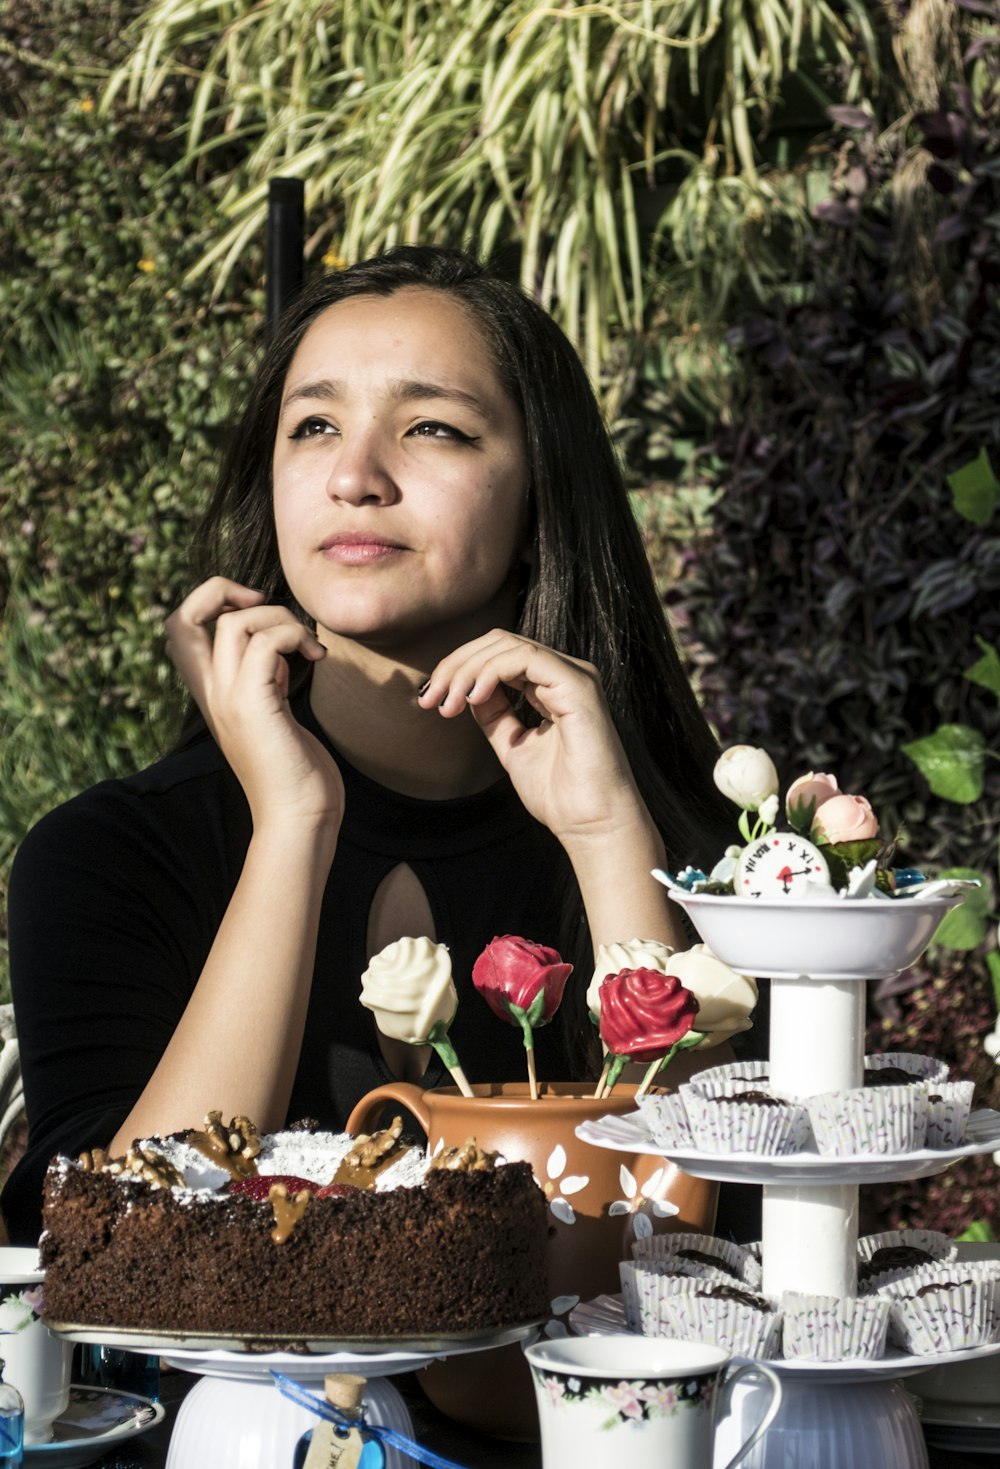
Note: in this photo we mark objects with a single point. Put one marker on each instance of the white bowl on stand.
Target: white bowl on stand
(834, 938)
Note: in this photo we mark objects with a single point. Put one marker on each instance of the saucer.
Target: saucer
(97, 1419)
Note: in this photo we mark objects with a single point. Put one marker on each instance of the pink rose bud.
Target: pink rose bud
(515, 971)
(845, 819)
(806, 795)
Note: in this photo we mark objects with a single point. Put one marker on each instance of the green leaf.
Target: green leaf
(986, 670)
(993, 965)
(951, 761)
(976, 489)
(965, 926)
(978, 1232)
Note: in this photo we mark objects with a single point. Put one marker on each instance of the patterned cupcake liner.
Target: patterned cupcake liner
(667, 1119)
(716, 1081)
(931, 1241)
(640, 1293)
(748, 1127)
(949, 1315)
(890, 1119)
(948, 1106)
(680, 1307)
(833, 1328)
(735, 1263)
(921, 1068)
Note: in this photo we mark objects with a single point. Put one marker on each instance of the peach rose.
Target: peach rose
(845, 819)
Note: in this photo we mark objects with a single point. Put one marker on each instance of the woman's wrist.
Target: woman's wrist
(621, 898)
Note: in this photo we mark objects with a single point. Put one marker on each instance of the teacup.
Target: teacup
(644, 1402)
(36, 1362)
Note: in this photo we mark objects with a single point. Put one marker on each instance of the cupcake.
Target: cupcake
(735, 1077)
(898, 1252)
(667, 1119)
(943, 1308)
(726, 1315)
(948, 1107)
(700, 1255)
(903, 1067)
(833, 1328)
(882, 1119)
(747, 1123)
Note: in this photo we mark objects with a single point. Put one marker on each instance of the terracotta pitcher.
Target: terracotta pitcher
(598, 1201)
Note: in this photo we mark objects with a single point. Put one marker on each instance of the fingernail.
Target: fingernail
(423, 689)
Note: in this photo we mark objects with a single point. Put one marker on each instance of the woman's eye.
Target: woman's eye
(312, 428)
(433, 429)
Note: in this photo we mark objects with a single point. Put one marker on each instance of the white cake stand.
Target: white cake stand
(237, 1417)
(818, 956)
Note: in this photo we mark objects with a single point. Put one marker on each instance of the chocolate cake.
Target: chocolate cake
(176, 1239)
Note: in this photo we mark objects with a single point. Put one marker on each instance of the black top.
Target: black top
(116, 898)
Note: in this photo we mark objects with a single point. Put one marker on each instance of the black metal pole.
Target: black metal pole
(286, 234)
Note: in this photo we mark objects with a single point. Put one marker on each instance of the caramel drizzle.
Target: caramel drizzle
(287, 1211)
(360, 1175)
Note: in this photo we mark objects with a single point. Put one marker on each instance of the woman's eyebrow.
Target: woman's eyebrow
(402, 390)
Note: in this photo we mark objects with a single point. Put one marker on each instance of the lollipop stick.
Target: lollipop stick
(599, 1091)
(532, 1082)
(461, 1081)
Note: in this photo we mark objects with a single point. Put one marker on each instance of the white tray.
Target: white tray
(605, 1316)
(630, 1134)
(216, 1354)
(97, 1420)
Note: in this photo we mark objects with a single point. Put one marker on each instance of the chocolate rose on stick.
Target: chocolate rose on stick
(633, 954)
(523, 983)
(409, 989)
(646, 1016)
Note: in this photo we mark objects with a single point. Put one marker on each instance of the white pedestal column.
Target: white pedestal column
(810, 1233)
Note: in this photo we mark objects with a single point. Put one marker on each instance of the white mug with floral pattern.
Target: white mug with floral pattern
(36, 1362)
(634, 1402)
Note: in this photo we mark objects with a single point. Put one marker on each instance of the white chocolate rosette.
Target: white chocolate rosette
(719, 1312)
(725, 998)
(409, 989)
(742, 1124)
(948, 1106)
(699, 1254)
(833, 1328)
(882, 1119)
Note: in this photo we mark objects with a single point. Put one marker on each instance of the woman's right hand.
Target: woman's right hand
(231, 650)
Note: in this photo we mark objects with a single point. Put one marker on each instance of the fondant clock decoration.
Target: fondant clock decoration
(780, 865)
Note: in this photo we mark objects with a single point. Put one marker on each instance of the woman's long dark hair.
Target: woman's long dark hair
(590, 591)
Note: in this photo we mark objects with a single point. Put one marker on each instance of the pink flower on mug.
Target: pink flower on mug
(523, 983)
(806, 795)
(625, 1397)
(844, 819)
(662, 1395)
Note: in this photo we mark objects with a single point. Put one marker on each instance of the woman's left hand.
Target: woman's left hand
(570, 771)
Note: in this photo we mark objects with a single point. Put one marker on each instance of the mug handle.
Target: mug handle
(745, 1369)
(368, 1109)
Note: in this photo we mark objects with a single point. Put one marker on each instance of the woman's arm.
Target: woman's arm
(571, 773)
(237, 1044)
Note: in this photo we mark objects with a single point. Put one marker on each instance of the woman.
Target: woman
(435, 695)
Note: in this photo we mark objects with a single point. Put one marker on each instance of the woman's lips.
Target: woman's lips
(359, 550)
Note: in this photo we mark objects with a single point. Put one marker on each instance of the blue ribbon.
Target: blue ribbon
(305, 1399)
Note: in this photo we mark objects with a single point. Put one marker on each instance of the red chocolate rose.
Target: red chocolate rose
(513, 971)
(644, 1013)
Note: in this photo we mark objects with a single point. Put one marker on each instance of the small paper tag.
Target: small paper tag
(329, 1449)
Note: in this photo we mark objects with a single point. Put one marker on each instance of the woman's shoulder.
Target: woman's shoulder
(190, 789)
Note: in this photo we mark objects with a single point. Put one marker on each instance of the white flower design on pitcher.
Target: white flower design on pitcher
(636, 1199)
(556, 1186)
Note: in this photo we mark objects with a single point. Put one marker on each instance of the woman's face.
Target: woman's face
(400, 474)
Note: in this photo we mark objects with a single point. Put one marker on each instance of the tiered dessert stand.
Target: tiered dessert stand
(237, 1417)
(841, 1414)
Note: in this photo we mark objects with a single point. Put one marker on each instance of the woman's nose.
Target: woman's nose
(360, 473)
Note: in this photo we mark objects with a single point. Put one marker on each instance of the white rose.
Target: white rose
(725, 998)
(746, 775)
(635, 954)
(409, 989)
